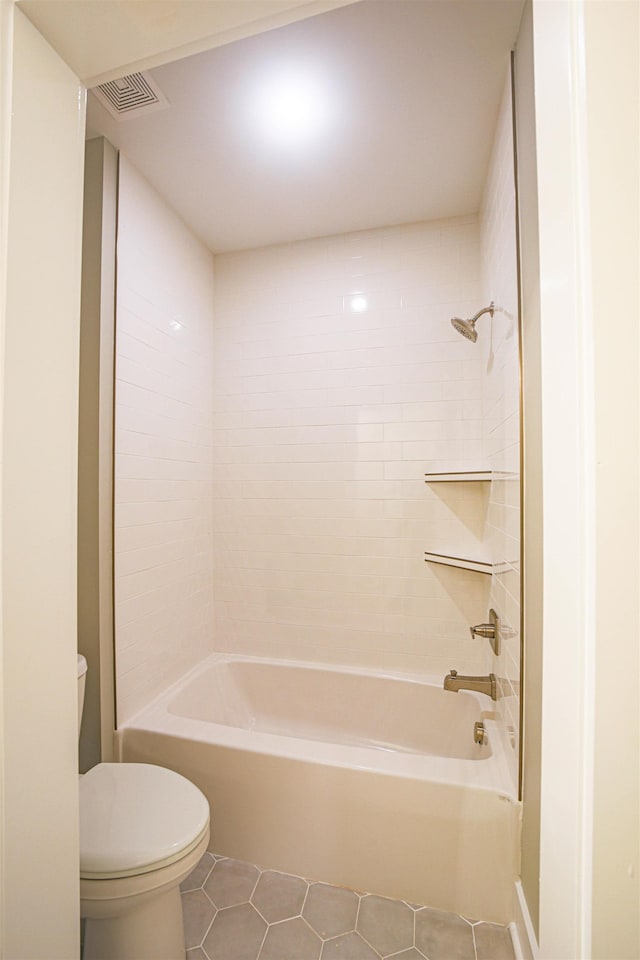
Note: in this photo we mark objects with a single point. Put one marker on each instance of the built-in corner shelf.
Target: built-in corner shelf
(448, 560)
(456, 476)
(462, 563)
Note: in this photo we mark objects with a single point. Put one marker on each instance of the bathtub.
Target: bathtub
(355, 778)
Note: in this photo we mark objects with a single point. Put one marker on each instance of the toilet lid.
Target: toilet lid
(136, 817)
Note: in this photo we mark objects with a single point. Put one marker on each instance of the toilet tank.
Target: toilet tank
(82, 676)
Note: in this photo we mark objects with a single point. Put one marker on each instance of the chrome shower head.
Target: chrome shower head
(468, 327)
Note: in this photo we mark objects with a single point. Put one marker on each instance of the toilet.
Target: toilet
(142, 831)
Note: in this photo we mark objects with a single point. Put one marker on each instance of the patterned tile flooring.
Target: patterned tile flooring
(237, 911)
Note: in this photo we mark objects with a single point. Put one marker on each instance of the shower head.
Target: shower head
(468, 327)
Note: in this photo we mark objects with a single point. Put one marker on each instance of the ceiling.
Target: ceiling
(407, 96)
(104, 39)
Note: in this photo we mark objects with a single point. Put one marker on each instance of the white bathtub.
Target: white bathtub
(355, 778)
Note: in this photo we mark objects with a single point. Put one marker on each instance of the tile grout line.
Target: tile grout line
(215, 908)
(206, 933)
(266, 931)
(362, 936)
(415, 945)
(262, 942)
(475, 946)
(360, 898)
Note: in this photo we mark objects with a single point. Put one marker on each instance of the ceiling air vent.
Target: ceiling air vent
(131, 96)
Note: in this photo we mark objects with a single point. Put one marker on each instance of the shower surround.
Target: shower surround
(332, 381)
(163, 473)
(273, 433)
(338, 382)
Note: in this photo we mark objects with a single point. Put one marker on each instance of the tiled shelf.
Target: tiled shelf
(456, 476)
(463, 563)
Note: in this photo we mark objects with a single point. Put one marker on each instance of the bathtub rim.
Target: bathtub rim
(492, 773)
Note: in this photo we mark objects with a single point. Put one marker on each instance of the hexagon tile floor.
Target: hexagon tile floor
(237, 911)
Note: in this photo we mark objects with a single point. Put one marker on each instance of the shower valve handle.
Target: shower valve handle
(486, 630)
(490, 631)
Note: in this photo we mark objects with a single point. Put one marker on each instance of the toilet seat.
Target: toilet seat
(136, 818)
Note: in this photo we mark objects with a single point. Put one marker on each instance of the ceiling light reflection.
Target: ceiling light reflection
(291, 108)
(358, 303)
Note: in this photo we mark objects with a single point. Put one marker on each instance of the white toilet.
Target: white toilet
(142, 831)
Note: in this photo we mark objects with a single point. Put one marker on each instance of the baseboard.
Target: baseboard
(525, 944)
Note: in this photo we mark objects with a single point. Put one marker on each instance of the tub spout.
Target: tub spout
(488, 685)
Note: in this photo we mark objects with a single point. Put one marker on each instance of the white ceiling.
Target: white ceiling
(412, 93)
(104, 39)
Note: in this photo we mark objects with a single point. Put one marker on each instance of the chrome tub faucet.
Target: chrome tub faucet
(488, 685)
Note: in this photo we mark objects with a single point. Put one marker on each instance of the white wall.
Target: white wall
(327, 417)
(40, 808)
(6, 69)
(587, 140)
(612, 48)
(163, 493)
(567, 482)
(501, 404)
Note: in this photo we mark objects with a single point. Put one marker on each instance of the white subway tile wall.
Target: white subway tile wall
(502, 410)
(163, 446)
(338, 382)
(272, 441)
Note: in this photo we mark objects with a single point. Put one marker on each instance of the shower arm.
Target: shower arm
(489, 309)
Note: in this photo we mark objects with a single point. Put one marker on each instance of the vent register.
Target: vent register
(131, 96)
